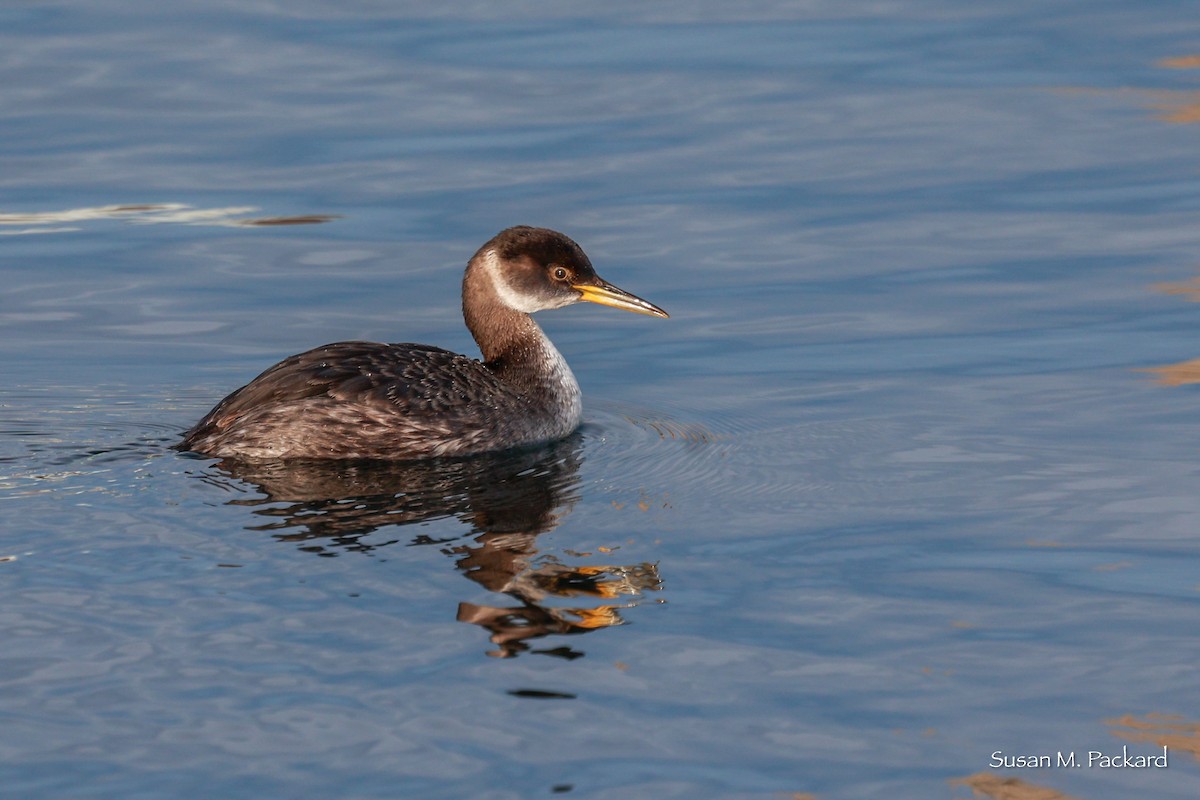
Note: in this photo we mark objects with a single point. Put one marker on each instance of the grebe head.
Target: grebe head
(534, 269)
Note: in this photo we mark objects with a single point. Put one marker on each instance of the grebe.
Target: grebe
(369, 400)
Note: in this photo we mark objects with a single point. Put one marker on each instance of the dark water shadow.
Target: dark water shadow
(505, 501)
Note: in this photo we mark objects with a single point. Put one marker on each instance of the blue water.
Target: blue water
(908, 478)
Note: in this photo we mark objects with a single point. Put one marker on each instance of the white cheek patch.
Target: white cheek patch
(512, 299)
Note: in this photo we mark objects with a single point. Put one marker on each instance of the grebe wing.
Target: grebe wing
(408, 379)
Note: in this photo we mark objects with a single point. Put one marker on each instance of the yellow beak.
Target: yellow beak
(606, 294)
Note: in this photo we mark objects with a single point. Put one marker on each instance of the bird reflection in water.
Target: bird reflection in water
(506, 500)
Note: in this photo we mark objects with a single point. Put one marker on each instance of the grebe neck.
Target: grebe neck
(514, 347)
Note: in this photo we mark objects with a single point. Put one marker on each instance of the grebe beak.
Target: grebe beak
(606, 294)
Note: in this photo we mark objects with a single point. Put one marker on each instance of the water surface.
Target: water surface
(908, 479)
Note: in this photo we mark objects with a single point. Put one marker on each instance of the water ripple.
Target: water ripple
(62, 451)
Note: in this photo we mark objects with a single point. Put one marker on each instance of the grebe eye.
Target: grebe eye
(560, 274)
